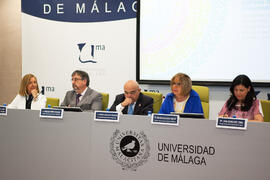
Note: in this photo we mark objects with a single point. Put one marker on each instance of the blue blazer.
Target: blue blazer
(193, 105)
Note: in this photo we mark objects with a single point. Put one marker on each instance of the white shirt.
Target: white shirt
(119, 107)
(20, 101)
(82, 94)
(179, 106)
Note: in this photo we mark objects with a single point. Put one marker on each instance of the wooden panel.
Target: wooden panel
(10, 49)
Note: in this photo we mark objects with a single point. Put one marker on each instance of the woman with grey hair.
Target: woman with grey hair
(182, 99)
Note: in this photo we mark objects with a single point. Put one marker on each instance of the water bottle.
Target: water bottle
(107, 109)
(49, 106)
(149, 113)
(4, 104)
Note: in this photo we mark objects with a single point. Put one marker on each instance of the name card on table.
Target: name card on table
(51, 113)
(231, 123)
(3, 110)
(165, 119)
(109, 116)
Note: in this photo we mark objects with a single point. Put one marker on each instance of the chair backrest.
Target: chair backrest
(266, 110)
(105, 101)
(157, 97)
(52, 101)
(203, 92)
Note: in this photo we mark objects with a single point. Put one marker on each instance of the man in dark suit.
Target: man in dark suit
(132, 101)
(82, 96)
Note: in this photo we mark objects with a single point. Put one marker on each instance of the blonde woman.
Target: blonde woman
(29, 96)
(182, 99)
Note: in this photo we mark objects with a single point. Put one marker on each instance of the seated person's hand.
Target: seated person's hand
(224, 115)
(34, 92)
(126, 102)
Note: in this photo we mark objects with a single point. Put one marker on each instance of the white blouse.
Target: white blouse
(20, 101)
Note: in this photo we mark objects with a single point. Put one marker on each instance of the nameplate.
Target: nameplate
(165, 119)
(232, 123)
(51, 113)
(108, 116)
(3, 110)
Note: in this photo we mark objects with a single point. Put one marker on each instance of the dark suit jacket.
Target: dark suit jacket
(91, 100)
(142, 106)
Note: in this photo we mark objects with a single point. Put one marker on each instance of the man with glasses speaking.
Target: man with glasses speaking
(132, 101)
(82, 96)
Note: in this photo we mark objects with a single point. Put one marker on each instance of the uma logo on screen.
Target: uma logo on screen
(89, 52)
(130, 149)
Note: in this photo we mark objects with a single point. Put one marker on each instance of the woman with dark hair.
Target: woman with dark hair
(182, 99)
(29, 96)
(243, 102)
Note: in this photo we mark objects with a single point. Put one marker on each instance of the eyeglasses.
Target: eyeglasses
(76, 79)
(131, 92)
(177, 84)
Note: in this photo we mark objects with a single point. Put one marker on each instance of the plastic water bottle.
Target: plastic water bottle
(107, 109)
(234, 116)
(149, 113)
(49, 106)
(4, 104)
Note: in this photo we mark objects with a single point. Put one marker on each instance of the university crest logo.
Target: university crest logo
(129, 149)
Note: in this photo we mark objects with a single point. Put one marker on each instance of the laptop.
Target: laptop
(189, 115)
(65, 108)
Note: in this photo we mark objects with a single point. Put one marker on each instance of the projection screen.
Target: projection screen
(212, 41)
